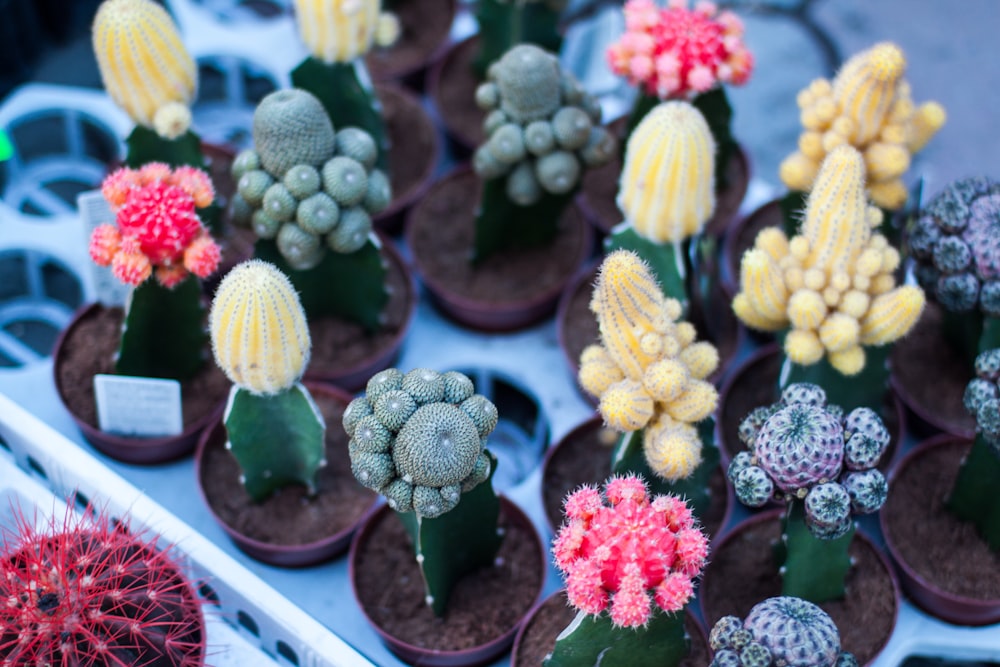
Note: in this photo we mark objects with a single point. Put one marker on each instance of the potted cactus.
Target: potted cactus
(309, 194)
(419, 439)
(485, 270)
(945, 485)
(159, 247)
(271, 474)
(64, 574)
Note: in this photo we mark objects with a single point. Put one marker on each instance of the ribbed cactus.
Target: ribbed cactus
(261, 342)
(290, 128)
(867, 106)
(779, 632)
(419, 439)
(636, 557)
(338, 30)
(821, 464)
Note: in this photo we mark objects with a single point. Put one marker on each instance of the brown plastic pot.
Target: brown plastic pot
(426, 657)
(921, 586)
(451, 85)
(282, 555)
(122, 448)
(408, 59)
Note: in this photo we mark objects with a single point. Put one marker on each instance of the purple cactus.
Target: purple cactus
(827, 505)
(867, 490)
(982, 397)
(753, 486)
(866, 439)
(800, 445)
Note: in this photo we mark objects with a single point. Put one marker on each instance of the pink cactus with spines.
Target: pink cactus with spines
(626, 551)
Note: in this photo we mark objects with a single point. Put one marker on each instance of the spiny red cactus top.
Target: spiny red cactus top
(675, 52)
(628, 552)
(157, 225)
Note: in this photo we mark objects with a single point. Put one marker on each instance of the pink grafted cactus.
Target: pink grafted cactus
(675, 52)
(628, 551)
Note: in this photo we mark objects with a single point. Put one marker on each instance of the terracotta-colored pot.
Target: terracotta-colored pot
(119, 447)
(740, 237)
(921, 583)
(740, 540)
(427, 657)
(460, 190)
(283, 555)
(408, 59)
(451, 85)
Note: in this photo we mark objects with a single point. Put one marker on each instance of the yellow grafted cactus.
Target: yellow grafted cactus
(260, 338)
(833, 283)
(144, 65)
(338, 31)
(667, 188)
(867, 106)
(648, 371)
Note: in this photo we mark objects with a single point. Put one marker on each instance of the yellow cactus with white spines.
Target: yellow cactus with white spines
(144, 65)
(259, 333)
(833, 283)
(867, 106)
(667, 187)
(339, 31)
(648, 371)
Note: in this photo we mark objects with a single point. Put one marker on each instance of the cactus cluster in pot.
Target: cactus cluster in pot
(820, 462)
(630, 560)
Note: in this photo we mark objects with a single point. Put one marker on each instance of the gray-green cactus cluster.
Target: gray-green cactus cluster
(800, 448)
(542, 128)
(982, 397)
(307, 186)
(779, 632)
(419, 438)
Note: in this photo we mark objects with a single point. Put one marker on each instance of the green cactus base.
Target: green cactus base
(348, 97)
(503, 24)
(813, 569)
(501, 224)
(594, 640)
(458, 542)
(164, 334)
(277, 440)
(970, 333)
(350, 286)
(974, 497)
(866, 389)
(670, 262)
(628, 457)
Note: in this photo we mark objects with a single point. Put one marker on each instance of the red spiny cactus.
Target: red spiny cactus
(89, 592)
(628, 553)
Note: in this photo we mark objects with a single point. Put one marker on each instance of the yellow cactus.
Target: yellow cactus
(648, 371)
(338, 31)
(867, 106)
(833, 283)
(667, 188)
(260, 338)
(144, 65)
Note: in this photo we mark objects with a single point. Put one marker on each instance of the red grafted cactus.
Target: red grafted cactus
(627, 551)
(156, 225)
(89, 592)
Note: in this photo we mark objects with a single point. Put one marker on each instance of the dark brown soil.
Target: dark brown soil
(455, 95)
(441, 231)
(742, 572)
(555, 614)
(425, 25)
(931, 375)
(412, 144)
(482, 606)
(289, 516)
(942, 549)
(742, 236)
(90, 347)
(586, 459)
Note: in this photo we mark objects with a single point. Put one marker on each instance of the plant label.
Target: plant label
(94, 211)
(137, 406)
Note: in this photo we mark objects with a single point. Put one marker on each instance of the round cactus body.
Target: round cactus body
(246, 160)
(539, 137)
(558, 172)
(528, 82)
(804, 393)
(457, 387)
(302, 181)
(358, 145)
(290, 127)
(726, 658)
(345, 180)
(437, 446)
(571, 127)
(425, 385)
(827, 505)
(317, 214)
(751, 424)
(279, 203)
(800, 445)
(351, 231)
(796, 632)
(301, 249)
(752, 486)
(379, 192)
(356, 410)
(253, 184)
(522, 185)
(263, 225)
(867, 490)
(722, 632)
(393, 408)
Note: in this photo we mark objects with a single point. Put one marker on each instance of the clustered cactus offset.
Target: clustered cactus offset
(779, 632)
(867, 106)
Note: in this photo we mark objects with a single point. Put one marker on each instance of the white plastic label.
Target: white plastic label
(137, 406)
(94, 211)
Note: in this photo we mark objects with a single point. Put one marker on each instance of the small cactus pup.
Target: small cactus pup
(630, 561)
(650, 375)
(974, 497)
(338, 34)
(89, 591)
(309, 193)
(261, 342)
(505, 23)
(419, 439)
(542, 132)
(831, 289)
(955, 244)
(159, 246)
(676, 53)
(781, 631)
(820, 462)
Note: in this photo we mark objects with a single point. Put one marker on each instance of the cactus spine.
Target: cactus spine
(261, 342)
